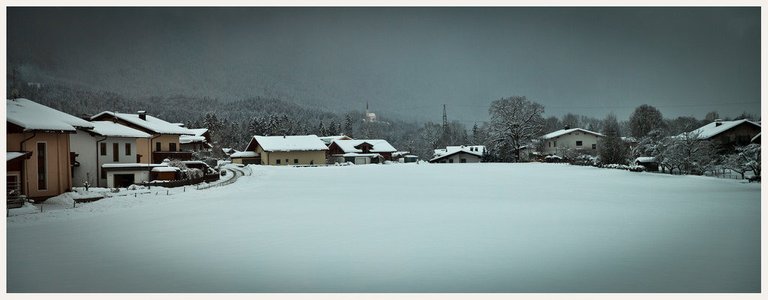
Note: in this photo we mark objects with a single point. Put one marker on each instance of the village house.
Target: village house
(245, 157)
(567, 139)
(288, 150)
(39, 158)
(459, 154)
(107, 143)
(329, 139)
(360, 151)
(199, 141)
(164, 141)
(728, 133)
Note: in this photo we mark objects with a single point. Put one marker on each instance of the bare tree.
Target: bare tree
(514, 122)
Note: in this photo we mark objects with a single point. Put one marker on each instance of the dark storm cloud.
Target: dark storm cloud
(407, 62)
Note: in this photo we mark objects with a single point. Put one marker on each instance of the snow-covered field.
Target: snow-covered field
(403, 228)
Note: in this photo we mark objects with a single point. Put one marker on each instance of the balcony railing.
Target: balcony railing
(159, 156)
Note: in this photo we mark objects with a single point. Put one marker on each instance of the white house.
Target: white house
(559, 142)
(459, 154)
(107, 143)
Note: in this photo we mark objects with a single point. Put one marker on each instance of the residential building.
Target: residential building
(38, 151)
(329, 139)
(360, 151)
(568, 139)
(164, 141)
(729, 133)
(288, 150)
(459, 154)
(199, 141)
(106, 143)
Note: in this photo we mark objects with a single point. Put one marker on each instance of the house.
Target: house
(164, 141)
(329, 139)
(199, 141)
(288, 150)
(459, 154)
(38, 151)
(404, 157)
(106, 143)
(245, 157)
(563, 140)
(728, 133)
(228, 151)
(360, 151)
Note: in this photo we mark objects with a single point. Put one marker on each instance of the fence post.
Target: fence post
(167, 192)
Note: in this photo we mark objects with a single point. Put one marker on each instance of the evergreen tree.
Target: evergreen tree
(612, 149)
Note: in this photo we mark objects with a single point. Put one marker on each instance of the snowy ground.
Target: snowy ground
(403, 228)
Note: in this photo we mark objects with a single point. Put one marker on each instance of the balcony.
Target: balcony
(159, 156)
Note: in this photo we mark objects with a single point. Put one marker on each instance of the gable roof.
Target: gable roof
(108, 128)
(474, 149)
(31, 115)
(329, 139)
(710, 130)
(151, 124)
(283, 143)
(197, 136)
(348, 146)
(454, 152)
(561, 132)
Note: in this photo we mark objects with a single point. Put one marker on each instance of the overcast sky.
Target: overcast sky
(407, 62)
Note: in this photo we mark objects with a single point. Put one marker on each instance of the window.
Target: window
(277, 162)
(578, 144)
(594, 146)
(463, 160)
(127, 149)
(295, 161)
(157, 146)
(103, 174)
(172, 146)
(554, 144)
(115, 152)
(42, 178)
(103, 149)
(450, 160)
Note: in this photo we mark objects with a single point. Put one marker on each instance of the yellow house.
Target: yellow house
(288, 150)
(164, 141)
(38, 148)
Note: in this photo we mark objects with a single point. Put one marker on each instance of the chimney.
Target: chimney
(143, 115)
(718, 122)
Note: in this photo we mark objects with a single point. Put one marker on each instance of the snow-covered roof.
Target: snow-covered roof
(241, 154)
(348, 146)
(328, 139)
(560, 132)
(361, 155)
(645, 159)
(454, 152)
(151, 123)
(478, 150)
(31, 115)
(130, 165)
(228, 150)
(288, 143)
(9, 156)
(187, 139)
(712, 129)
(165, 169)
(108, 128)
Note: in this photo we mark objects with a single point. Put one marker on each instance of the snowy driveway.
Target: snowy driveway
(408, 228)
